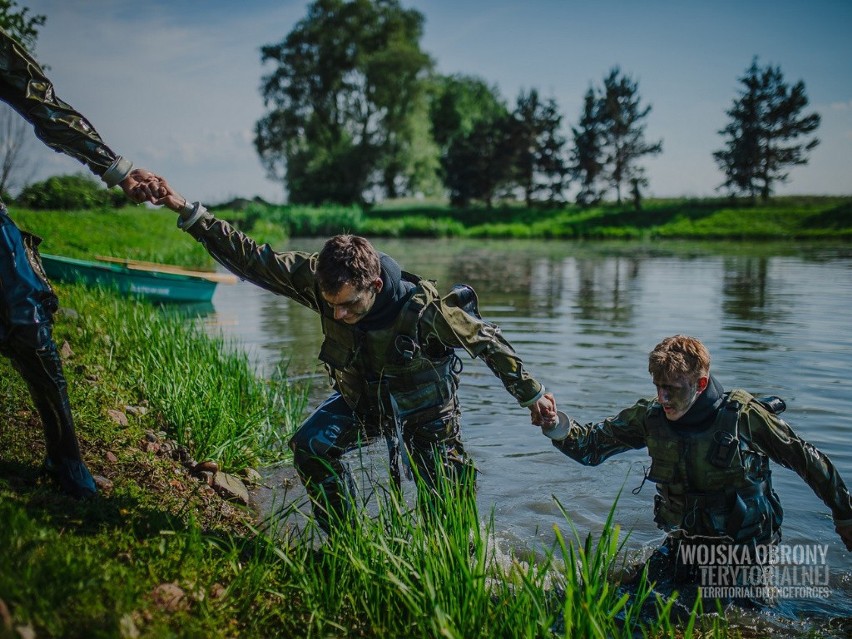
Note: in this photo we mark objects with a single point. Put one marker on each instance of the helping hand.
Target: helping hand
(142, 186)
(171, 199)
(543, 412)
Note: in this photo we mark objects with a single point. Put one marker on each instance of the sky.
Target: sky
(174, 84)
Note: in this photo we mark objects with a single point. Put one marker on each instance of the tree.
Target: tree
(458, 103)
(623, 128)
(70, 192)
(18, 23)
(471, 128)
(539, 160)
(481, 165)
(349, 78)
(765, 121)
(15, 131)
(587, 161)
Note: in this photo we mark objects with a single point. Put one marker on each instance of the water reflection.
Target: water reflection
(584, 317)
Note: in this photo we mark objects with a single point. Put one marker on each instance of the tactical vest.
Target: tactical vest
(385, 373)
(710, 481)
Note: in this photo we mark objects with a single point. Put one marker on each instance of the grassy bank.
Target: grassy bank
(712, 219)
(150, 235)
(158, 554)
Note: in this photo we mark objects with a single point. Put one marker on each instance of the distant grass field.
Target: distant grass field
(147, 234)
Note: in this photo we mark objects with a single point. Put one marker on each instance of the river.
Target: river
(583, 316)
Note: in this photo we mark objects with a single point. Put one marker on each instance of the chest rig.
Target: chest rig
(387, 373)
(710, 480)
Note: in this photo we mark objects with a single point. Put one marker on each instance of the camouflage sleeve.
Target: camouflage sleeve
(445, 321)
(292, 274)
(25, 88)
(592, 443)
(772, 436)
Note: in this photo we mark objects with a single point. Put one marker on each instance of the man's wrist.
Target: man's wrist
(117, 171)
(190, 214)
(187, 209)
(532, 401)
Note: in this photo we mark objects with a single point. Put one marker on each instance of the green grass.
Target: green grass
(203, 390)
(146, 234)
(135, 232)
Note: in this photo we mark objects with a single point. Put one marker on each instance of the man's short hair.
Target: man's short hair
(347, 259)
(679, 355)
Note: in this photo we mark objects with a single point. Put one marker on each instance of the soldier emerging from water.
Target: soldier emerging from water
(710, 452)
(389, 346)
(27, 301)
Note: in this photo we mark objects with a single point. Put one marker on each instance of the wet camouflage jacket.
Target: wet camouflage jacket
(293, 274)
(761, 431)
(24, 87)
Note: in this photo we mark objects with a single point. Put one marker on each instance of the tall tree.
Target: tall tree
(587, 155)
(765, 122)
(15, 131)
(349, 77)
(623, 125)
(458, 103)
(481, 164)
(539, 159)
(471, 126)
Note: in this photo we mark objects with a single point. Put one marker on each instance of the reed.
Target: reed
(203, 389)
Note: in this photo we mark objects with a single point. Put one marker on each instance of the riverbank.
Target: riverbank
(159, 553)
(150, 235)
(784, 218)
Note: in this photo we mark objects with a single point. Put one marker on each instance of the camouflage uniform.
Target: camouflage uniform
(713, 479)
(27, 302)
(398, 380)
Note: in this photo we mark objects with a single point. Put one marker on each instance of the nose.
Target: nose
(662, 395)
(339, 312)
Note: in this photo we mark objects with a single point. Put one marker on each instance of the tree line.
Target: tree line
(357, 113)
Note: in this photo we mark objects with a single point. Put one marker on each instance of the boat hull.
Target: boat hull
(151, 285)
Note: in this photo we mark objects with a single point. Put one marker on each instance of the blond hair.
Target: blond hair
(679, 355)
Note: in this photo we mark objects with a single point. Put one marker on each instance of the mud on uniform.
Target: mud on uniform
(27, 301)
(396, 379)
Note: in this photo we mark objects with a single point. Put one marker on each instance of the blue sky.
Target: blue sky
(173, 84)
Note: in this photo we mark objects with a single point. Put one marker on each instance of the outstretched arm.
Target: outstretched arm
(773, 436)
(25, 88)
(590, 444)
(290, 273)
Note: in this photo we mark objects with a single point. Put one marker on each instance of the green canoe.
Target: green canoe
(156, 282)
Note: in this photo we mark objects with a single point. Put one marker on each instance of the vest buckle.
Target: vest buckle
(406, 347)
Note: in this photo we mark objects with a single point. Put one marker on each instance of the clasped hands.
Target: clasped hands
(143, 186)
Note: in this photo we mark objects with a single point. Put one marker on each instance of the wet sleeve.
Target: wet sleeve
(452, 326)
(25, 88)
(774, 437)
(590, 444)
(292, 273)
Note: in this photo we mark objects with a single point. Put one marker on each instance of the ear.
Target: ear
(378, 283)
(702, 383)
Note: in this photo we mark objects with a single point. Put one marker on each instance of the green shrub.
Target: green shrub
(66, 192)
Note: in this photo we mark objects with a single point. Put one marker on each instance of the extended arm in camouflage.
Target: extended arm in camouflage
(25, 88)
(772, 436)
(592, 443)
(448, 322)
(292, 273)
